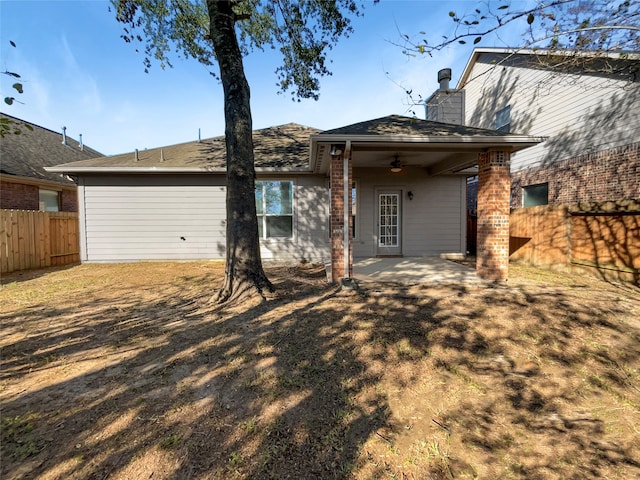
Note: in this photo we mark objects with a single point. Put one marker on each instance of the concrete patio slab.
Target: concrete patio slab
(412, 270)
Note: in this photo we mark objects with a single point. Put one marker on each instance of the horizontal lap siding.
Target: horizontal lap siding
(433, 218)
(310, 225)
(157, 221)
(579, 114)
(432, 223)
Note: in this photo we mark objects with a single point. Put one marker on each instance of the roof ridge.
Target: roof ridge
(26, 122)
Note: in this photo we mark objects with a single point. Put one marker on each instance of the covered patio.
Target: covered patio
(406, 178)
(413, 270)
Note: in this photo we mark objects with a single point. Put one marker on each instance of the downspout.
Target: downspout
(347, 202)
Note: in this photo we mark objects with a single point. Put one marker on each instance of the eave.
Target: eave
(74, 170)
(443, 154)
(49, 184)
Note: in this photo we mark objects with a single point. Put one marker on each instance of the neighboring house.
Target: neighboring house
(389, 186)
(591, 118)
(24, 182)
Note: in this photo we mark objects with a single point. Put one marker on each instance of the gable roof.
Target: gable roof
(441, 148)
(405, 127)
(28, 153)
(294, 148)
(279, 148)
(625, 64)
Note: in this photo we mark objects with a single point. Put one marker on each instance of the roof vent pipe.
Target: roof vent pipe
(81, 145)
(444, 76)
(137, 155)
(64, 135)
(198, 135)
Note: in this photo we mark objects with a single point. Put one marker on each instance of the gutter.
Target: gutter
(44, 182)
(525, 140)
(139, 170)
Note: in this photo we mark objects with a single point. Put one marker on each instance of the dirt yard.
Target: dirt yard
(128, 372)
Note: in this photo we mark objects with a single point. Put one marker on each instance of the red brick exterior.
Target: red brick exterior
(69, 201)
(608, 175)
(20, 196)
(494, 182)
(337, 219)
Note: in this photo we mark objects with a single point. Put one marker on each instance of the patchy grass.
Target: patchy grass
(126, 371)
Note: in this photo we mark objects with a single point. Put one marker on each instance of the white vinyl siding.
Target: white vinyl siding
(310, 240)
(433, 222)
(579, 113)
(182, 217)
(154, 221)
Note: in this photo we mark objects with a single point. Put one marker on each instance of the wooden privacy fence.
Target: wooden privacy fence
(32, 239)
(603, 236)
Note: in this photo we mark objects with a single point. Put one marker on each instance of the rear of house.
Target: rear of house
(393, 186)
(169, 203)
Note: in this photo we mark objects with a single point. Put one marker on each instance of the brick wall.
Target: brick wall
(69, 201)
(18, 196)
(494, 182)
(607, 175)
(337, 219)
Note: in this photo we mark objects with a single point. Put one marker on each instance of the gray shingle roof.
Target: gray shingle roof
(284, 146)
(407, 126)
(26, 154)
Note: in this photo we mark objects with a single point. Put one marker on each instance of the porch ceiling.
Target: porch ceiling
(435, 161)
(437, 158)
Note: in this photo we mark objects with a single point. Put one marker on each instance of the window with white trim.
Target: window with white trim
(274, 206)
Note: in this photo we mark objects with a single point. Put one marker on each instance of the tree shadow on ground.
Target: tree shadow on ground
(155, 382)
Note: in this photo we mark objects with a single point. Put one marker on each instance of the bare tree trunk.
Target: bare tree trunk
(244, 274)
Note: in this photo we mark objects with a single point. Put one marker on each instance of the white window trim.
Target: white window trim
(294, 216)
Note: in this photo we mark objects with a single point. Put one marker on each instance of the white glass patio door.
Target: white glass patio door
(389, 232)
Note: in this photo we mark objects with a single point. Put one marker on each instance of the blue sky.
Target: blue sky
(79, 73)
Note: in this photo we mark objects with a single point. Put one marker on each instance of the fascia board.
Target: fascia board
(37, 182)
(507, 140)
(168, 170)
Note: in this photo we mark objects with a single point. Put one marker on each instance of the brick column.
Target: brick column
(494, 185)
(337, 218)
